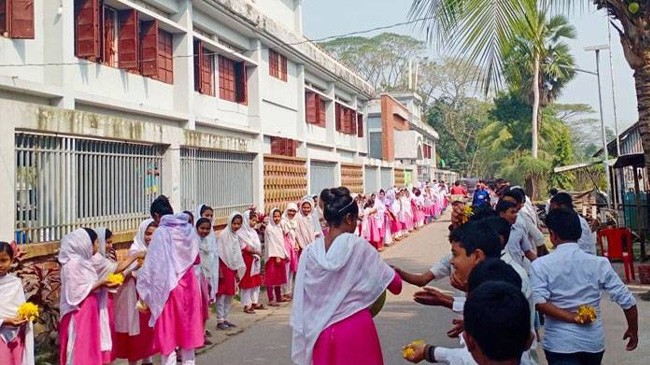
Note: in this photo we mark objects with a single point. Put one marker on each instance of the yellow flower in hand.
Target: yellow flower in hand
(586, 314)
(28, 311)
(115, 279)
(408, 351)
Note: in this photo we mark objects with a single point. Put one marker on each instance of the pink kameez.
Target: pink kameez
(181, 322)
(86, 348)
(353, 340)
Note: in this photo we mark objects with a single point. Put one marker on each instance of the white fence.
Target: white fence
(64, 182)
(222, 180)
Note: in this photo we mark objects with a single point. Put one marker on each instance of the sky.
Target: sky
(324, 18)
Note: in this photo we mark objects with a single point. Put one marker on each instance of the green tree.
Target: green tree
(479, 29)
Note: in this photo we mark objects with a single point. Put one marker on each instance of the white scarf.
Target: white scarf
(127, 317)
(305, 234)
(249, 238)
(290, 225)
(13, 297)
(351, 275)
(102, 264)
(229, 247)
(78, 276)
(274, 239)
(209, 262)
(173, 251)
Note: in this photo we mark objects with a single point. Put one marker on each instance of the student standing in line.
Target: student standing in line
(231, 268)
(276, 258)
(251, 249)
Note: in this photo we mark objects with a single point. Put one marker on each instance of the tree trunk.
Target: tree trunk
(535, 107)
(642, 82)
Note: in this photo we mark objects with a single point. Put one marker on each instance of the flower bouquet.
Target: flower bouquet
(28, 311)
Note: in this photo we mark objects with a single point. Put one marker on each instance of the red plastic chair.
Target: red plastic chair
(619, 247)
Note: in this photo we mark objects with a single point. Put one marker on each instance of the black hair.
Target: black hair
(516, 194)
(338, 204)
(205, 208)
(457, 183)
(201, 221)
(500, 226)
(497, 317)
(492, 269)
(369, 204)
(520, 191)
(478, 235)
(504, 205)
(553, 191)
(108, 234)
(382, 191)
(482, 212)
(564, 200)
(5, 247)
(323, 194)
(152, 224)
(161, 206)
(565, 223)
(92, 234)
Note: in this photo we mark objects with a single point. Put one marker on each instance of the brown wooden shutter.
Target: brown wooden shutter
(128, 40)
(283, 68)
(207, 72)
(311, 108)
(149, 48)
(337, 116)
(17, 18)
(322, 113)
(87, 43)
(198, 58)
(165, 57)
(109, 44)
(241, 83)
(360, 125)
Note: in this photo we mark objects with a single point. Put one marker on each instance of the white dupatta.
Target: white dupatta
(229, 247)
(127, 317)
(78, 276)
(351, 275)
(274, 239)
(173, 251)
(102, 264)
(13, 297)
(305, 234)
(249, 238)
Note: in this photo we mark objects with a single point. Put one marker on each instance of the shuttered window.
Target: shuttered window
(360, 125)
(312, 105)
(322, 113)
(149, 48)
(284, 146)
(233, 81)
(87, 44)
(278, 65)
(347, 120)
(110, 34)
(17, 18)
(165, 57)
(128, 40)
(203, 69)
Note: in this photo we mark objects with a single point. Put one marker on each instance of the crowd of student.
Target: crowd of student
(498, 261)
(322, 254)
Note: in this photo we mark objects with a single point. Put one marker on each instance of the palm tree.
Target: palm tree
(556, 62)
(479, 29)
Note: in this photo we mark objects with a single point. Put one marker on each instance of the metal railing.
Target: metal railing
(321, 176)
(65, 182)
(223, 180)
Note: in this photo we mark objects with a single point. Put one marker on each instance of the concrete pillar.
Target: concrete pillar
(330, 114)
(171, 170)
(59, 47)
(302, 122)
(184, 66)
(255, 86)
(8, 181)
(258, 176)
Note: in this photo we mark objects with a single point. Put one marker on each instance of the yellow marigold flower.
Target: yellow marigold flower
(115, 279)
(28, 311)
(408, 351)
(587, 313)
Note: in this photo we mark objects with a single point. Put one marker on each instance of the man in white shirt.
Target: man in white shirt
(587, 241)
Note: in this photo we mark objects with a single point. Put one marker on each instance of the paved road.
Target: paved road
(267, 339)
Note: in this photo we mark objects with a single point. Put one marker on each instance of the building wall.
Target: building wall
(45, 89)
(391, 121)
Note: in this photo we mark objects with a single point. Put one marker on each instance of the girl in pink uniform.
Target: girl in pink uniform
(347, 271)
(276, 256)
(251, 249)
(290, 226)
(16, 335)
(305, 233)
(84, 329)
(231, 268)
(167, 285)
(134, 339)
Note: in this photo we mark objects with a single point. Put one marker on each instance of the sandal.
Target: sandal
(230, 324)
(249, 310)
(274, 304)
(259, 307)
